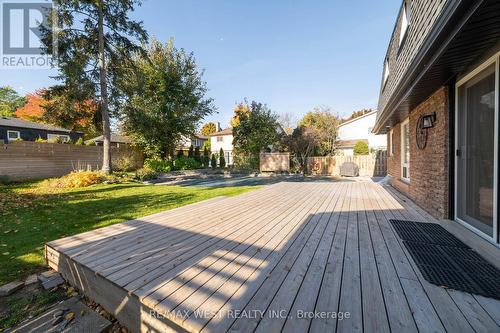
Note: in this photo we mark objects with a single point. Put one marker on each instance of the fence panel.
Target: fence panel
(33, 160)
(274, 162)
(369, 165)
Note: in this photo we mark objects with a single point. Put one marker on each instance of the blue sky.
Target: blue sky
(291, 55)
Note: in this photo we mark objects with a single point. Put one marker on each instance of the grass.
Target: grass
(32, 214)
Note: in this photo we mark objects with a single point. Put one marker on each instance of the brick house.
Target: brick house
(439, 106)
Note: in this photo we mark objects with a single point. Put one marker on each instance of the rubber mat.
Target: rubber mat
(446, 261)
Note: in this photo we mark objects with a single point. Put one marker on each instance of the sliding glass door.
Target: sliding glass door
(477, 160)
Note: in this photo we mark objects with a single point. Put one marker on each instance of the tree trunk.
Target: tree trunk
(106, 128)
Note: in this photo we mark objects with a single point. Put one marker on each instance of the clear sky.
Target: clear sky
(291, 55)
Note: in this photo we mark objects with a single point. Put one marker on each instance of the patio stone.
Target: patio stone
(10, 288)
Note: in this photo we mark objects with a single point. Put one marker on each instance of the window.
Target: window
(386, 71)
(220, 138)
(405, 150)
(13, 135)
(404, 25)
(391, 143)
(54, 137)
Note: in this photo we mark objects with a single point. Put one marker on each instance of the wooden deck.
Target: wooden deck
(292, 257)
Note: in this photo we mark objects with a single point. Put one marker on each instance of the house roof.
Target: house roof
(357, 118)
(227, 131)
(201, 137)
(346, 144)
(116, 138)
(21, 123)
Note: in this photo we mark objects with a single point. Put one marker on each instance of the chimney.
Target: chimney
(218, 129)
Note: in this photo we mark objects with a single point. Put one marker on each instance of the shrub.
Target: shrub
(78, 179)
(40, 140)
(361, 148)
(91, 143)
(19, 140)
(206, 157)
(222, 160)
(185, 163)
(158, 165)
(197, 155)
(68, 142)
(79, 141)
(144, 174)
(191, 152)
(213, 162)
(180, 153)
(124, 163)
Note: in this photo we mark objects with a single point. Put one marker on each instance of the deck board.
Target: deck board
(288, 248)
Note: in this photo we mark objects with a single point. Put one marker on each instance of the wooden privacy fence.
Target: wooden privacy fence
(369, 165)
(274, 162)
(33, 160)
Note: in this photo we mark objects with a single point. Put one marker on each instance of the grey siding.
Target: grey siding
(423, 16)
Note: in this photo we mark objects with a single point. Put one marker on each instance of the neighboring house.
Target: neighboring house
(117, 140)
(12, 129)
(196, 140)
(439, 106)
(223, 139)
(359, 129)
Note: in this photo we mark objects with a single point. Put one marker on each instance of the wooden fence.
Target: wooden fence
(274, 162)
(369, 165)
(34, 160)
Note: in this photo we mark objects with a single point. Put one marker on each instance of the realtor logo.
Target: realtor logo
(22, 24)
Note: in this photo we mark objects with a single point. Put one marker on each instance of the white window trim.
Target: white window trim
(391, 142)
(53, 137)
(405, 24)
(18, 135)
(386, 71)
(220, 139)
(407, 165)
(493, 60)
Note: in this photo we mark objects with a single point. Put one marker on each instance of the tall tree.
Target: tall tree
(208, 128)
(240, 110)
(322, 121)
(256, 131)
(10, 101)
(93, 41)
(164, 98)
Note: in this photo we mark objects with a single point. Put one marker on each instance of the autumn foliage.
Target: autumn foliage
(33, 109)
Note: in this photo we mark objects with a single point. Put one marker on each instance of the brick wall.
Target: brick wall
(428, 185)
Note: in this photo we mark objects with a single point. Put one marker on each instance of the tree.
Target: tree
(10, 101)
(94, 40)
(180, 153)
(301, 144)
(222, 159)
(34, 109)
(163, 98)
(257, 129)
(208, 129)
(287, 121)
(361, 148)
(322, 121)
(191, 151)
(213, 162)
(241, 109)
(206, 157)
(197, 155)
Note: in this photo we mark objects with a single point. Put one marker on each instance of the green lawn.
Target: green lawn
(31, 215)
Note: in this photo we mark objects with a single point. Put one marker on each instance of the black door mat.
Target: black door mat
(447, 262)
